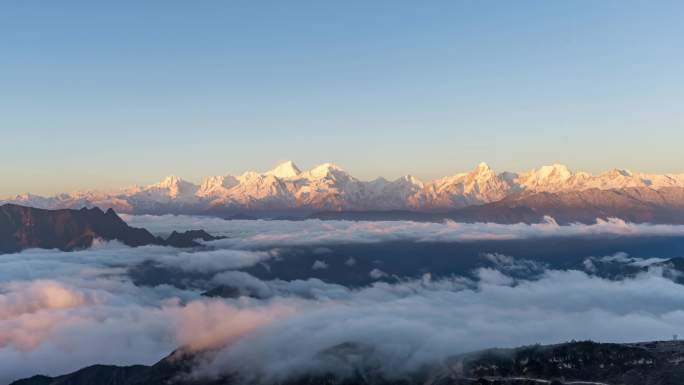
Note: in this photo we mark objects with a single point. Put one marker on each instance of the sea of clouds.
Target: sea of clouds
(61, 311)
(264, 233)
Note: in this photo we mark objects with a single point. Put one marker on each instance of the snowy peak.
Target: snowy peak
(555, 171)
(618, 173)
(167, 182)
(284, 170)
(481, 185)
(217, 185)
(325, 170)
(411, 180)
(173, 186)
(482, 172)
(329, 187)
(482, 167)
(551, 177)
(170, 181)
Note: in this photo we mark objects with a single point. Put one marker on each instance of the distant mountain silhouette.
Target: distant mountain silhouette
(23, 227)
(188, 238)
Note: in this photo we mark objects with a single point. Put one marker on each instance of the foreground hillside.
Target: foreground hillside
(652, 363)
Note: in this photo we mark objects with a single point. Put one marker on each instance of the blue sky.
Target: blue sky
(104, 94)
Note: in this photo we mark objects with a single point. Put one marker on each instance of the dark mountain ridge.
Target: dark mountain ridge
(23, 227)
(649, 363)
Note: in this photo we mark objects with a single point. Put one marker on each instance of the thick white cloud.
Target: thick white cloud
(264, 233)
(30, 297)
(63, 311)
(419, 322)
(113, 258)
(408, 324)
(51, 327)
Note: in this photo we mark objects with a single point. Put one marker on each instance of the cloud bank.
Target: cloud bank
(423, 322)
(265, 233)
(63, 311)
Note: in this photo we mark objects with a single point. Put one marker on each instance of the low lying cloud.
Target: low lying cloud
(266, 233)
(377, 274)
(62, 311)
(113, 258)
(627, 260)
(423, 322)
(510, 265)
(214, 260)
(407, 324)
(30, 297)
(202, 325)
(51, 328)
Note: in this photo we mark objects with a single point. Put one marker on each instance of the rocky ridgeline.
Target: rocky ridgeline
(573, 363)
(24, 227)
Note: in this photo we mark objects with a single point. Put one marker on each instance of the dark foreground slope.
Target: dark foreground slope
(653, 363)
(24, 227)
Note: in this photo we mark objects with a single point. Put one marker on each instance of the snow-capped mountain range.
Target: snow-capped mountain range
(328, 187)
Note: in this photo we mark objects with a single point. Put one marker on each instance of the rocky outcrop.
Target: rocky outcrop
(24, 227)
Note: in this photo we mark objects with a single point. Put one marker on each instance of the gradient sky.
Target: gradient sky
(105, 94)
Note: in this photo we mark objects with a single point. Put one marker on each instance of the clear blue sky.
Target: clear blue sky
(103, 94)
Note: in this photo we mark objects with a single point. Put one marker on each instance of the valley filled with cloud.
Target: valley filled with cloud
(411, 294)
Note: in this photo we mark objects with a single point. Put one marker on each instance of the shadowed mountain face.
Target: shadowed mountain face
(651, 363)
(24, 227)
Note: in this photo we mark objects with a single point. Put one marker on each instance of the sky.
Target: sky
(108, 94)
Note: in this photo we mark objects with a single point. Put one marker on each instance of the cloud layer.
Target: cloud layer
(63, 311)
(423, 322)
(265, 233)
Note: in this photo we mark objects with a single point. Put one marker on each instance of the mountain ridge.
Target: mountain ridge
(23, 227)
(570, 363)
(327, 187)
